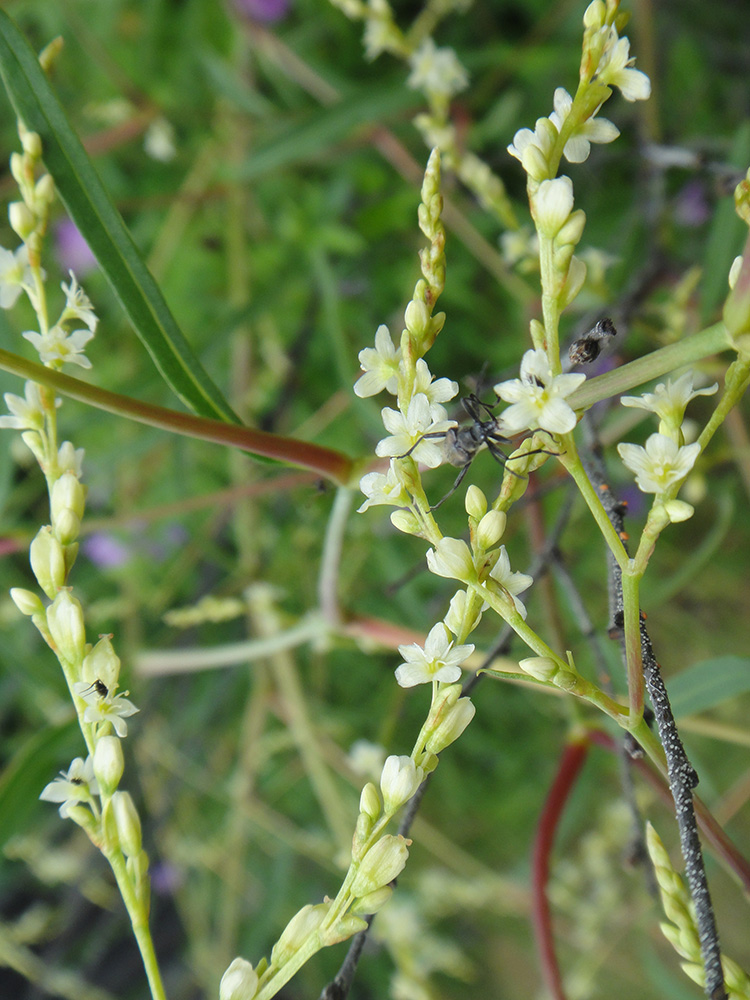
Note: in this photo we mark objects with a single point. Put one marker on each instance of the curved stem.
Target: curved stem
(571, 762)
(326, 462)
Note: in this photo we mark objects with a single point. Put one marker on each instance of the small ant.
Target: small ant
(461, 444)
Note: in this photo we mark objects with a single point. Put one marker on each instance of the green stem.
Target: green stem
(139, 922)
(570, 459)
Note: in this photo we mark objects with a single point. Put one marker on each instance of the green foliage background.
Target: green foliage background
(281, 237)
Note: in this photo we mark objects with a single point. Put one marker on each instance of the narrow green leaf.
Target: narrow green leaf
(709, 683)
(93, 211)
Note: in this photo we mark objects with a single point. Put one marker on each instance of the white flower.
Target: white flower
(76, 785)
(552, 204)
(669, 400)
(379, 364)
(70, 459)
(538, 397)
(512, 583)
(27, 413)
(383, 488)
(439, 660)
(102, 707)
(14, 274)
(409, 432)
(57, 345)
(77, 305)
(457, 613)
(659, 465)
(452, 558)
(399, 781)
(614, 70)
(578, 146)
(533, 148)
(439, 391)
(436, 71)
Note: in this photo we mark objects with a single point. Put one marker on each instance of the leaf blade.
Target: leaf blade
(91, 208)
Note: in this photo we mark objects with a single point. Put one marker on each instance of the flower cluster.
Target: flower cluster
(88, 790)
(661, 465)
(573, 126)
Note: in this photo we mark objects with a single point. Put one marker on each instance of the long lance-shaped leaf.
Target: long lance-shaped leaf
(93, 211)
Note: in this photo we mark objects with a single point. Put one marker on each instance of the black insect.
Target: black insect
(99, 686)
(588, 348)
(461, 444)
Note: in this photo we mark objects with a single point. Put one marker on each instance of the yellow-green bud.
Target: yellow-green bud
(102, 663)
(452, 723)
(369, 801)
(678, 510)
(45, 190)
(344, 928)
(33, 442)
(32, 144)
(68, 493)
(407, 522)
(417, 318)
(491, 528)
(17, 167)
(298, 930)
(239, 982)
(21, 219)
(128, 823)
(372, 902)
(47, 560)
(475, 503)
(65, 623)
(542, 668)
(572, 231)
(383, 862)
(108, 763)
(399, 780)
(27, 602)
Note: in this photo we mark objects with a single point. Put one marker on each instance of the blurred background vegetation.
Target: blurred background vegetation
(270, 175)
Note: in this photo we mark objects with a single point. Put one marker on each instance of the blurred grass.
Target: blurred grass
(281, 238)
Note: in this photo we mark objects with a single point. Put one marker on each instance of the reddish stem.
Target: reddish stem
(571, 762)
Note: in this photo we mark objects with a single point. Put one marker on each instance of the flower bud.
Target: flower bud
(372, 902)
(678, 510)
(475, 503)
(595, 15)
(32, 144)
(416, 317)
(383, 862)
(491, 528)
(47, 560)
(21, 219)
(297, 931)
(541, 668)
(407, 522)
(17, 168)
(65, 622)
(552, 205)
(68, 493)
(369, 801)
(452, 723)
(572, 231)
(102, 664)
(344, 928)
(128, 823)
(26, 601)
(108, 763)
(399, 780)
(239, 982)
(67, 526)
(33, 442)
(45, 190)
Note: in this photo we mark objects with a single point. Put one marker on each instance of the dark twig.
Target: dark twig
(682, 781)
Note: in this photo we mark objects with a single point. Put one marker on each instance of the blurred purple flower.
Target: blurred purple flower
(106, 551)
(691, 206)
(263, 10)
(72, 250)
(166, 879)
